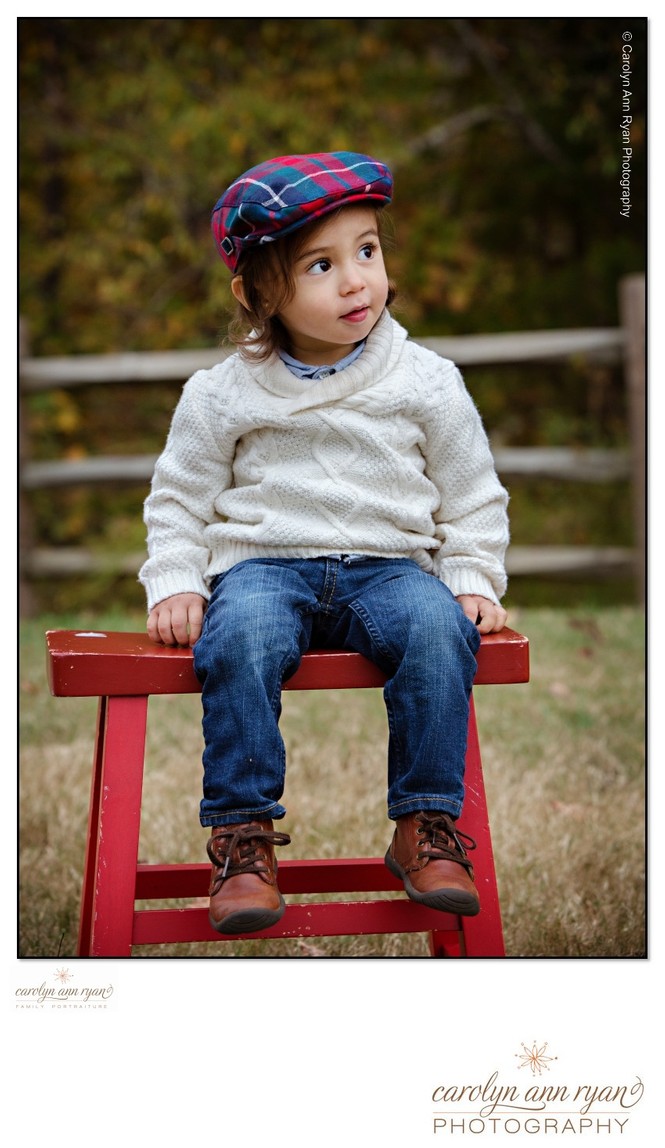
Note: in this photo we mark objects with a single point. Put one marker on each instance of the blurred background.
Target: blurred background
(511, 257)
(504, 138)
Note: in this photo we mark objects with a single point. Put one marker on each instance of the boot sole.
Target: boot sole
(248, 920)
(446, 900)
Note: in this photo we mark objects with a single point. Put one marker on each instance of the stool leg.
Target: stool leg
(483, 935)
(443, 944)
(107, 909)
(90, 865)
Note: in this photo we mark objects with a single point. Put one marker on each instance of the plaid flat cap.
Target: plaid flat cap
(278, 196)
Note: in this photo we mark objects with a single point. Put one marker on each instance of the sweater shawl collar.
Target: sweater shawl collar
(382, 350)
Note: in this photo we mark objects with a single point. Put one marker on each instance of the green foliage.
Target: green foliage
(503, 135)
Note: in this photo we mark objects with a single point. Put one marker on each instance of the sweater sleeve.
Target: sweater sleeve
(189, 475)
(471, 521)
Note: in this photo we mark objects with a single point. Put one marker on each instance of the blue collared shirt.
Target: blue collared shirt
(307, 371)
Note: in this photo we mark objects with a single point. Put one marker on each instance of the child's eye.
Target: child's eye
(318, 268)
(367, 251)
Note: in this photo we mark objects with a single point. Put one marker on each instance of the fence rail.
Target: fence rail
(567, 463)
(602, 344)
(623, 345)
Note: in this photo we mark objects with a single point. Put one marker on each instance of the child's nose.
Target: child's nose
(352, 279)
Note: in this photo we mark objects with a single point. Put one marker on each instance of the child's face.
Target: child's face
(341, 288)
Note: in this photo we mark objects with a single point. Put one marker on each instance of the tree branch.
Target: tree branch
(514, 105)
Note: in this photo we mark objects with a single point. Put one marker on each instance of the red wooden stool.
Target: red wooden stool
(123, 670)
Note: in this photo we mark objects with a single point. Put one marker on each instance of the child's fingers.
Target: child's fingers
(488, 616)
(195, 619)
(164, 626)
(177, 621)
(178, 624)
(491, 617)
(153, 625)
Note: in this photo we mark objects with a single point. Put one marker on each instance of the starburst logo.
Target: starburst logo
(535, 1058)
(63, 975)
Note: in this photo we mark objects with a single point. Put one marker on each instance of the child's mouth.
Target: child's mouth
(358, 315)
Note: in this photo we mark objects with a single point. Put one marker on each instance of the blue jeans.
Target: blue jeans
(265, 613)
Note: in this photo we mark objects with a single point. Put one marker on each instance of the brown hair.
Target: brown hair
(268, 286)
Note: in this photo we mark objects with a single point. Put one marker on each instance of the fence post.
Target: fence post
(632, 310)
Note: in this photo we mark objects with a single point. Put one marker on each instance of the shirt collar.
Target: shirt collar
(307, 371)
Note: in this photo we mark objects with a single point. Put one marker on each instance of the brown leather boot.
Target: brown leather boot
(243, 888)
(426, 853)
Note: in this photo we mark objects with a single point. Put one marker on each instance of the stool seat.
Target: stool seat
(123, 670)
(96, 663)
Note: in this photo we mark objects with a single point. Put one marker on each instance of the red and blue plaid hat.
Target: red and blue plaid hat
(278, 196)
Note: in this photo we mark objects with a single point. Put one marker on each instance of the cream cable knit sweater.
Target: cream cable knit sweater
(386, 458)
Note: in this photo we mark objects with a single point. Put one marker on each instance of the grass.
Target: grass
(564, 767)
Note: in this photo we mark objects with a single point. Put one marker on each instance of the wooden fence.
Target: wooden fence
(622, 345)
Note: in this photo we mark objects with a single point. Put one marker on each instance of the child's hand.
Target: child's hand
(486, 615)
(177, 621)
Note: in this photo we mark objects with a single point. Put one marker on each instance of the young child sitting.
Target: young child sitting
(329, 484)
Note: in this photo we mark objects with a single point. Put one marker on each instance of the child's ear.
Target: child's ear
(238, 290)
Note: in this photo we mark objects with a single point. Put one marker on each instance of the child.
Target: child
(329, 484)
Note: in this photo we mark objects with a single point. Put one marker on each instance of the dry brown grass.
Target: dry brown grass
(564, 767)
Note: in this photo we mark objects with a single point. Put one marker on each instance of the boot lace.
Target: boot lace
(444, 841)
(236, 849)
